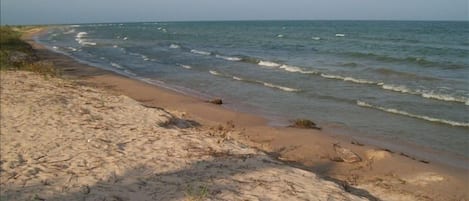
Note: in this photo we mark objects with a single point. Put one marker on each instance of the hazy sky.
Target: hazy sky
(84, 11)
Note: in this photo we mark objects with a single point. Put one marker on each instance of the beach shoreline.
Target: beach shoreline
(376, 172)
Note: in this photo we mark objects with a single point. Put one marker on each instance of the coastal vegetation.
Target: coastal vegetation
(16, 54)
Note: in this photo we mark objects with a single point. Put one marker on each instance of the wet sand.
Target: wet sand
(367, 171)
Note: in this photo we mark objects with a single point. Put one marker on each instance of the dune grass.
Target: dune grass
(16, 54)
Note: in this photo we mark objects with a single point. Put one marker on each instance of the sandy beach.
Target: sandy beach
(96, 135)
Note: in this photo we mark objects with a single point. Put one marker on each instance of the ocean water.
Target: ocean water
(403, 85)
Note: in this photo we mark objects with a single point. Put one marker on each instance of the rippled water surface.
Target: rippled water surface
(397, 82)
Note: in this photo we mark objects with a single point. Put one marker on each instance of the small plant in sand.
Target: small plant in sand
(304, 123)
(43, 68)
(196, 194)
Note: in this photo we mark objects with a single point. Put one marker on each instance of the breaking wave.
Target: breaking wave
(72, 49)
(425, 93)
(267, 84)
(79, 38)
(81, 34)
(201, 52)
(145, 58)
(414, 60)
(268, 64)
(174, 46)
(116, 65)
(278, 87)
(69, 31)
(228, 58)
(350, 79)
(295, 69)
(214, 72)
(185, 66)
(422, 117)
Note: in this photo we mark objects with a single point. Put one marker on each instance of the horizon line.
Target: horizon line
(229, 20)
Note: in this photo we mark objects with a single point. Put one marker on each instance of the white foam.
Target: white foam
(81, 34)
(237, 78)
(398, 88)
(426, 93)
(349, 79)
(228, 58)
(423, 117)
(280, 36)
(316, 38)
(85, 42)
(73, 49)
(200, 52)
(214, 72)
(55, 47)
(445, 97)
(70, 31)
(130, 73)
(268, 64)
(125, 38)
(185, 66)
(279, 87)
(115, 46)
(270, 85)
(79, 38)
(145, 58)
(75, 25)
(295, 69)
(339, 35)
(174, 46)
(116, 65)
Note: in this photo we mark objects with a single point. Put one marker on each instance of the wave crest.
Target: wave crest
(185, 66)
(268, 63)
(200, 52)
(116, 65)
(267, 84)
(174, 46)
(426, 93)
(228, 58)
(350, 79)
(422, 117)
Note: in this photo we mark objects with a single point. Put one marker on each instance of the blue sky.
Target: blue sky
(89, 11)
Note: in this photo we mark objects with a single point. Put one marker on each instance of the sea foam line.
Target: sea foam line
(422, 117)
(200, 52)
(268, 64)
(350, 79)
(228, 58)
(425, 93)
(185, 66)
(267, 84)
(116, 65)
(401, 89)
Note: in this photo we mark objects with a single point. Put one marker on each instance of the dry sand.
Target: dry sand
(375, 173)
(63, 141)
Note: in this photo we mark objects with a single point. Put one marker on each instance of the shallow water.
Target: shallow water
(392, 81)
